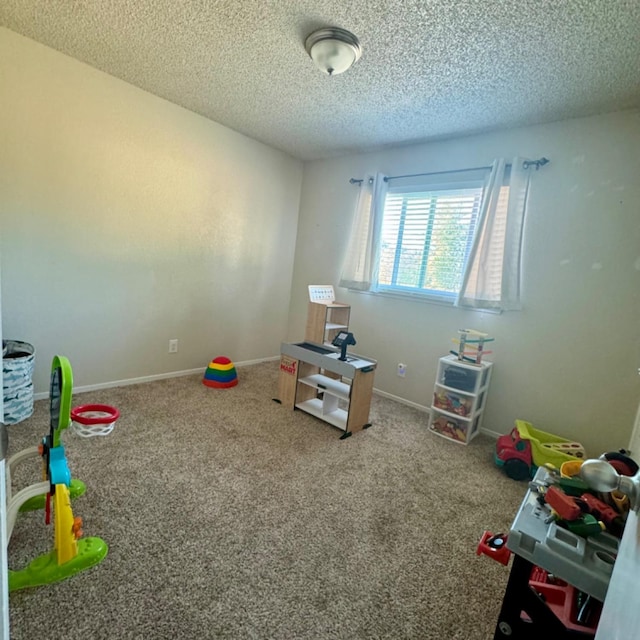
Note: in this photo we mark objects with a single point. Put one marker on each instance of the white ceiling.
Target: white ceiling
(429, 69)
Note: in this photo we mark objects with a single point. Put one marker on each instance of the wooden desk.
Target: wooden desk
(312, 380)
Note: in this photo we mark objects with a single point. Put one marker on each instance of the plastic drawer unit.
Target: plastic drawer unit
(459, 397)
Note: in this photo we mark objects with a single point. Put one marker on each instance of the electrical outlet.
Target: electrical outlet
(173, 346)
(402, 369)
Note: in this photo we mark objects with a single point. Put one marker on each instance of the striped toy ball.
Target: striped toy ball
(220, 374)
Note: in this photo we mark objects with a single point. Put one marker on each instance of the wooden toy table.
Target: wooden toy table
(314, 380)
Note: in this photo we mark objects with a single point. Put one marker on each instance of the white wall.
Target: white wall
(126, 221)
(568, 362)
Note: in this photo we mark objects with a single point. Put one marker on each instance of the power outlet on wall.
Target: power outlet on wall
(173, 346)
(402, 369)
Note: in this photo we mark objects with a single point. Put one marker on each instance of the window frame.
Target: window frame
(424, 186)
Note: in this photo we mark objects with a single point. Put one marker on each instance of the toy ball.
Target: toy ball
(220, 374)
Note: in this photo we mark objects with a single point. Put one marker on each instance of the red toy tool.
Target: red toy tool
(564, 505)
(602, 511)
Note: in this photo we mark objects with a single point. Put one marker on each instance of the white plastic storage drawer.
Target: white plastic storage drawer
(456, 376)
(453, 401)
(455, 428)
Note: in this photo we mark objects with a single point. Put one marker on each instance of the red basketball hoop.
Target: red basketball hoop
(93, 419)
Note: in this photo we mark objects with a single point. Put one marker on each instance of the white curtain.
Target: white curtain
(491, 278)
(358, 271)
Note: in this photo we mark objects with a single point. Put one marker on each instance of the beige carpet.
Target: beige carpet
(228, 516)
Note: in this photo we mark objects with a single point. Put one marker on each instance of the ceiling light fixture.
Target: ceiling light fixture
(333, 50)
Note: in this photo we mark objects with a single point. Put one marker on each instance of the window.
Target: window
(448, 240)
(425, 239)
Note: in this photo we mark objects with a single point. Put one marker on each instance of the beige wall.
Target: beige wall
(568, 362)
(126, 221)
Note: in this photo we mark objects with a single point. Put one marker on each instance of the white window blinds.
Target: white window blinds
(426, 237)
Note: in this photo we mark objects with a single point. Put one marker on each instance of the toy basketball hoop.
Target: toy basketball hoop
(93, 419)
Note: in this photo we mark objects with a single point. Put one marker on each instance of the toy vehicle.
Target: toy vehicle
(522, 451)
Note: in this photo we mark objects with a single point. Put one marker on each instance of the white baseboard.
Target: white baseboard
(143, 379)
(421, 407)
(190, 372)
(415, 405)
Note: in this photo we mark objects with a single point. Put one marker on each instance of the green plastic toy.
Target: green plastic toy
(70, 554)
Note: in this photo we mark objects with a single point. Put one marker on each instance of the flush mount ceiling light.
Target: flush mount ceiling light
(333, 50)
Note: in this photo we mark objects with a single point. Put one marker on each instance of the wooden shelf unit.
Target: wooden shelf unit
(325, 320)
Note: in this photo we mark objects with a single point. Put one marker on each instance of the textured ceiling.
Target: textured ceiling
(429, 69)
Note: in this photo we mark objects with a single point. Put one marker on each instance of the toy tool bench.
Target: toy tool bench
(560, 574)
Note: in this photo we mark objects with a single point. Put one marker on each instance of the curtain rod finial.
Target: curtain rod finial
(538, 163)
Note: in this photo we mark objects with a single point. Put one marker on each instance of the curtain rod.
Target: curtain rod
(525, 165)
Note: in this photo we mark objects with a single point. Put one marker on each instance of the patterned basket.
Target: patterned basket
(18, 361)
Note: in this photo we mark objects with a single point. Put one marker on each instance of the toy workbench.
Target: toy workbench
(584, 563)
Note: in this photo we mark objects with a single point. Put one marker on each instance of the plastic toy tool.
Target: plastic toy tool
(562, 504)
(70, 554)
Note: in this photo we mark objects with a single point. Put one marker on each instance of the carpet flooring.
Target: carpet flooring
(229, 516)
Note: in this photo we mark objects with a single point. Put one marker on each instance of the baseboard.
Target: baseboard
(415, 405)
(153, 378)
(190, 372)
(420, 407)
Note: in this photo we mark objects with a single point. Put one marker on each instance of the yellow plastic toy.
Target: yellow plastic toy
(547, 448)
(69, 555)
